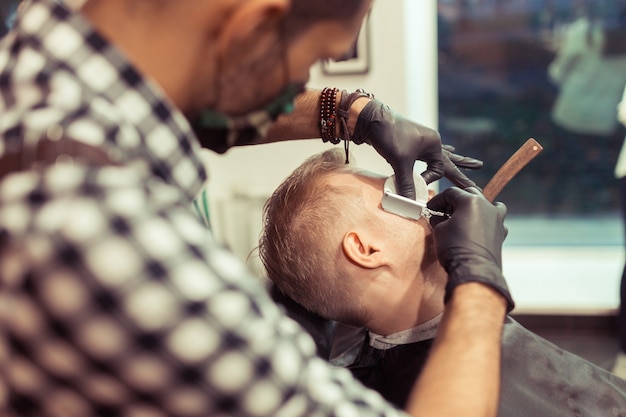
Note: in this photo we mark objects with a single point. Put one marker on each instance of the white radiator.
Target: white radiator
(237, 223)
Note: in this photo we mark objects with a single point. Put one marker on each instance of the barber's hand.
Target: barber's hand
(401, 142)
(452, 162)
(469, 243)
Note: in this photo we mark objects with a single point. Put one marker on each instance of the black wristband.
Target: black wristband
(489, 275)
(343, 112)
(362, 124)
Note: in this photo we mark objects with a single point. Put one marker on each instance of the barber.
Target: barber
(120, 303)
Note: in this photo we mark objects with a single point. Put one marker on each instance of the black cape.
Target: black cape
(539, 379)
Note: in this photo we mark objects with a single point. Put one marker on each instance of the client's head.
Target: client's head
(328, 244)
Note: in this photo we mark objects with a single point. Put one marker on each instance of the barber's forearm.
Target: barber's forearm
(462, 375)
(304, 121)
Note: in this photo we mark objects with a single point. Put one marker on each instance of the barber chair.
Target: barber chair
(336, 342)
(321, 330)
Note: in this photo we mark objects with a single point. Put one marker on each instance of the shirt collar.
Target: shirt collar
(424, 331)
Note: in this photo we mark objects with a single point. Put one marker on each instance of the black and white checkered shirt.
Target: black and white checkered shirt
(115, 299)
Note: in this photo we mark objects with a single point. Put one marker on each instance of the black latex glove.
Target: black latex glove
(469, 243)
(401, 142)
(452, 162)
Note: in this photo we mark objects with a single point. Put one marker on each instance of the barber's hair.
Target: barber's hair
(303, 13)
(299, 245)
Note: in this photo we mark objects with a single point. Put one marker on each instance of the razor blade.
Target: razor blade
(405, 207)
(402, 206)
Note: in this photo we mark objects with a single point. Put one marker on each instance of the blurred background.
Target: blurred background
(494, 87)
(554, 70)
(511, 69)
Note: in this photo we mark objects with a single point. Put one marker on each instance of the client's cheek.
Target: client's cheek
(430, 250)
(425, 224)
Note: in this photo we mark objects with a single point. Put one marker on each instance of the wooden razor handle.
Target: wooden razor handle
(511, 167)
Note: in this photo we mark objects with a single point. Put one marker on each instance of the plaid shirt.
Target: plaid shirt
(116, 301)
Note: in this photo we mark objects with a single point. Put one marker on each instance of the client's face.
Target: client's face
(410, 239)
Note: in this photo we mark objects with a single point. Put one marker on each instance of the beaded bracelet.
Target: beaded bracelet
(328, 115)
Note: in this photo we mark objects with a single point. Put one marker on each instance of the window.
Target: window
(504, 76)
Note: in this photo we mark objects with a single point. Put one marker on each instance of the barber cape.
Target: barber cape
(539, 379)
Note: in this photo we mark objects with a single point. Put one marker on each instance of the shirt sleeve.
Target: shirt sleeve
(122, 304)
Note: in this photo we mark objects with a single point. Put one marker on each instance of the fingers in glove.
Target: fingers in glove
(502, 213)
(405, 184)
(444, 202)
(461, 161)
(447, 200)
(435, 164)
(454, 174)
(434, 172)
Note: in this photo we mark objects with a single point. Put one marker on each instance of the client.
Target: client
(329, 246)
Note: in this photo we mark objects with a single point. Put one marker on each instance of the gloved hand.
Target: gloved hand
(469, 243)
(402, 142)
(452, 162)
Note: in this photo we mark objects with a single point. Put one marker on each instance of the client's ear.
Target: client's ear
(362, 250)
